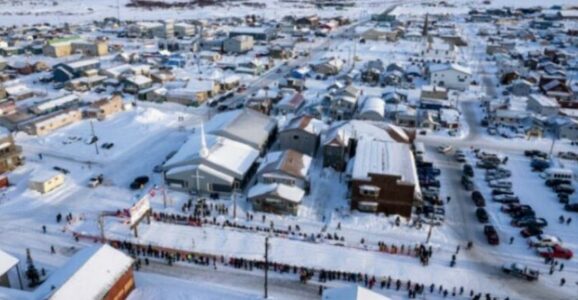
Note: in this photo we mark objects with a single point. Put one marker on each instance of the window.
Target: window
(295, 137)
(369, 191)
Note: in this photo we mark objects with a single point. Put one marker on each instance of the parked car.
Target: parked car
(139, 182)
(563, 198)
(61, 170)
(568, 155)
(478, 199)
(530, 221)
(513, 207)
(523, 213)
(107, 146)
(468, 170)
(482, 215)
(95, 181)
(536, 153)
(445, 149)
(531, 231)
(571, 207)
(555, 251)
(564, 188)
(502, 191)
(521, 271)
(556, 182)
(539, 164)
(506, 198)
(491, 235)
(500, 184)
(467, 183)
(544, 241)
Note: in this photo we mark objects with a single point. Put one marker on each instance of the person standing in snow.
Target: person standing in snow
(44, 228)
(511, 240)
(568, 221)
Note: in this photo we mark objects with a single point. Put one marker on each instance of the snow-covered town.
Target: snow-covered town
(288, 149)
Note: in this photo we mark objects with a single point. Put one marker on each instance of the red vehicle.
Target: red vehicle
(556, 251)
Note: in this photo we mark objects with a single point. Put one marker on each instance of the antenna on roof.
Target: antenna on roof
(204, 151)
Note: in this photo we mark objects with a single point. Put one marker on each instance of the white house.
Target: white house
(451, 76)
(543, 105)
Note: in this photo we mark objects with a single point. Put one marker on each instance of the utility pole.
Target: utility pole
(94, 137)
(234, 204)
(429, 232)
(101, 226)
(266, 265)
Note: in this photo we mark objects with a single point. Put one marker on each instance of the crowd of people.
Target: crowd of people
(143, 254)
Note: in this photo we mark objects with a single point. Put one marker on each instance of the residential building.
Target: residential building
(55, 104)
(66, 71)
(290, 104)
(568, 130)
(10, 153)
(8, 263)
(276, 198)
(451, 76)
(103, 108)
(338, 142)
(287, 167)
(136, 83)
(238, 44)
(302, 134)
(543, 105)
(383, 177)
(372, 109)
(48, 123)
(258, 33)
(45, 181)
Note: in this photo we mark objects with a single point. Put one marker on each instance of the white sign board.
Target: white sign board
(139, 209)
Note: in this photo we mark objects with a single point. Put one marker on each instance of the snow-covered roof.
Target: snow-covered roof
(374, 104)
(444, 67)
(53, 103)
(43, 175)
(374, 156)
(90, 273)
(82, 63)
(289, 161)
(7, 262)
(230, 155)
(290, 193)
(306, 123)
(139, 79)
(544, 100)
(352, 292)
(341, 132)
(243, 125)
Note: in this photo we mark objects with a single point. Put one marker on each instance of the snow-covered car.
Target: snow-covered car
(555, 251)
(521, 271)
(544, 241)
(530, 221)
(506, 198)
(500, 184)
(513, 207)
(445, 149)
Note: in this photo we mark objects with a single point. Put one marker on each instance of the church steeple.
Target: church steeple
(204, 151)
